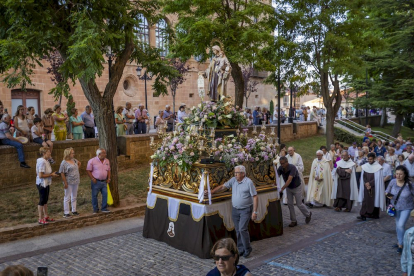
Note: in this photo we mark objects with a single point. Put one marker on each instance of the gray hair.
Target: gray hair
(379, 157)
(241, 169)
(319, 152)
(5, 116)
(98, 151)
(344, 151)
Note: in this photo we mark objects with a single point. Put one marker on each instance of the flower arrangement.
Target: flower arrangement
(230, 151)
(258, 150)
(178, 147)
(220, 114)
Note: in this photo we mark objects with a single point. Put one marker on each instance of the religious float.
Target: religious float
(198, 156)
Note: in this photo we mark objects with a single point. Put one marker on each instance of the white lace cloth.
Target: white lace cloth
(223, 208)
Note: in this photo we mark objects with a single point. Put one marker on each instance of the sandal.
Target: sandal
(47, 219)
(42, 221)
(347, 210)
(337, 209)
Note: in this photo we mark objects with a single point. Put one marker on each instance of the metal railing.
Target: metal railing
(361, 130)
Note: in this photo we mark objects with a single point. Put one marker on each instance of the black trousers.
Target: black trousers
(89, 132)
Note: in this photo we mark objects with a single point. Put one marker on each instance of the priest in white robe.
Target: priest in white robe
(345, 187)
(320, 183)
(296, 160)
(371, 189)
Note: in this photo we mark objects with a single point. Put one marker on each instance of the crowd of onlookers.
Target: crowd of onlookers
(55, 124)
(304, 113)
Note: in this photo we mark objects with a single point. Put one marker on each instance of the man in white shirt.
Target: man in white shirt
(296, 160)
(129, 115)
(353, 151)
(408, 150)
(409, 164)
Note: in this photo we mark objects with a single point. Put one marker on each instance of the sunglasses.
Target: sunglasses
(223, 258)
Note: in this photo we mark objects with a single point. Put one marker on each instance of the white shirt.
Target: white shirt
(34, 129)
(327, 156)
(352, 151)
(181, 116)
(386, 170)
(42, 165)
(410, 167)
(130, 113)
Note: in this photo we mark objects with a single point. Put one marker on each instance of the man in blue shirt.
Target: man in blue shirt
(244, 200)
(256, 117)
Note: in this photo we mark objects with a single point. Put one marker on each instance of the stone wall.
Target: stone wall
(134, 149)
(373, 121)
(32, 230)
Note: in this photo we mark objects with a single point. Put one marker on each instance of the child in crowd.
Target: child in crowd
(39, 136)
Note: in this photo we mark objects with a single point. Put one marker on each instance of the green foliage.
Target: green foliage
(272, 107)
(82, 32)
(69, 105)
(346, 137)
(391, 70)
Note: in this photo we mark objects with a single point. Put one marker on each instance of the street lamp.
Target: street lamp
(291, 108)
(145, 77)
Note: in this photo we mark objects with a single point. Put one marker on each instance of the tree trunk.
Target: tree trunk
(237, 75)
(330, 120)
(383, 118)
(105, 122)
(397, 126)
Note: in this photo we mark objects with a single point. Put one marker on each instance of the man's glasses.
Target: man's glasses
(223, 258)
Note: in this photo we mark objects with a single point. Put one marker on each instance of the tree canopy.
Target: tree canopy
(243, 28)
(82, 32)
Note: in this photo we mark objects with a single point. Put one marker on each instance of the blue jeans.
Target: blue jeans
(241, 219)
(100, 186)
(15, 144)
(401, 218)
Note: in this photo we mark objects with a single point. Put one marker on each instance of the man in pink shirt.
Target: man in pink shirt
(99, 171)
(141, 115)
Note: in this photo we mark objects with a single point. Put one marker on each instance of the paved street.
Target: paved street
(332, 244)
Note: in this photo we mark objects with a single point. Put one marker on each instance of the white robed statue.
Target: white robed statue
(320, 182)
(217, 73)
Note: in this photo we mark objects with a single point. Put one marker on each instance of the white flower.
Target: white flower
(236, 160)
(229, 116)
(233, 141)
(257, 159)
(220, 118)
(191, 153)
(196, 119)
(229, 146)
(214, 108)
(226, 104)
(220, 147)
(203, 120)
(205, 116)
(199, 105)
(175, 132)
(263, 148)
(187, 137)
(257, 140)
(153, 156)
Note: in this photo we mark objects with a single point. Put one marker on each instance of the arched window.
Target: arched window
(161, 37)
(142, 31)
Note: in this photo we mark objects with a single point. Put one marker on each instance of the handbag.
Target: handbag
(391, 208)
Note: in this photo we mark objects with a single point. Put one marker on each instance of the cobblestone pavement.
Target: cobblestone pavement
(332, 244)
